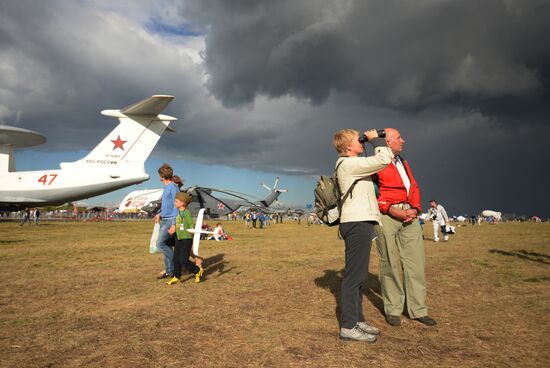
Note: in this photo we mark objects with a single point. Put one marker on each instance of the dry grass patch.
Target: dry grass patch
(85, 294)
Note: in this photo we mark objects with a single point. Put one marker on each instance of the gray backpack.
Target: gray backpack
(327, 198)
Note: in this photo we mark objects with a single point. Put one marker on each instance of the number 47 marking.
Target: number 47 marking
(44, 179)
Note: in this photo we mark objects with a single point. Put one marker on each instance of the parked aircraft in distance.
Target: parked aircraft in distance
(211, 199)
(496, 215)
(116, 162)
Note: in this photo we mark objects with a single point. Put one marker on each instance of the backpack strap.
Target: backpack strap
(348, 192)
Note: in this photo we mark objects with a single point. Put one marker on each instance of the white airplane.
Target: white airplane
(116, 162)
(135, 200)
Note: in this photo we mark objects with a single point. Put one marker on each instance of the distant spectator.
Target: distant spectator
(219, 233)
(205, 227)
(26, 217)
(36, 216)
(421, 223)
(439, 218)
(254, 219)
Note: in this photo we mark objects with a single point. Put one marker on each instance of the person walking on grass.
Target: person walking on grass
(254, 219)
(167, 219)
(183, 240)
(401, 236)
(359, 214)
(36, 216)
(439, 218)
(26, 217)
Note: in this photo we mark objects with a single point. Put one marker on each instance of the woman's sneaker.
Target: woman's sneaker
(356, 334)
(368, 328)
(173, 280)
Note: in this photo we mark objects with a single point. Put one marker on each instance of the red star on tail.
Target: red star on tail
(119, 143)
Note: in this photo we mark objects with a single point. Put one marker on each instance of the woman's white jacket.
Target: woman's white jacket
(361, 204)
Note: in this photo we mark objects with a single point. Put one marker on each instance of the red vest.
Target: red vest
(392, 190)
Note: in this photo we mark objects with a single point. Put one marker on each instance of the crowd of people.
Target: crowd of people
(259, 220)
(38, 215)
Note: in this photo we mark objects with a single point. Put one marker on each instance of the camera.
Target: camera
(381, 134)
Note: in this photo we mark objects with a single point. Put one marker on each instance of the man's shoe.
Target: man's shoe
(368, 328)
(356, 334)
(436, 240)
(427, 320)
(173, 280)
(162, 275)
(393, 320)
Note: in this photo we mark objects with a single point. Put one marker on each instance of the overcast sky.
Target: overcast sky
(261, 86)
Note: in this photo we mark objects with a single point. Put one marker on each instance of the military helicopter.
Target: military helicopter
(216, 202)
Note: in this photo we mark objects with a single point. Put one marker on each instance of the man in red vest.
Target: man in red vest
(400, 233)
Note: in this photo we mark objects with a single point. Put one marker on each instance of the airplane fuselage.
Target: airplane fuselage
(54, 187)
(116, 162)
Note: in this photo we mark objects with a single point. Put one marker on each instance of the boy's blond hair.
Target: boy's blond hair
(342, 139)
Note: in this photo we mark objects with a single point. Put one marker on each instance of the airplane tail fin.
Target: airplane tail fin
(140, 127)
(274, 193)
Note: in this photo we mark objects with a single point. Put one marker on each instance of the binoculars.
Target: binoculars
(381, 134)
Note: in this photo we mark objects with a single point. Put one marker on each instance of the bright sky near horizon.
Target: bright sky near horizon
(214, 176)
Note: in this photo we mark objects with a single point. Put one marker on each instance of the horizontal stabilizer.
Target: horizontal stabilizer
(150, 106)
(11, 137)
(17, 137)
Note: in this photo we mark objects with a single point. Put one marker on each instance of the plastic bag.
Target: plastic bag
(154, 237)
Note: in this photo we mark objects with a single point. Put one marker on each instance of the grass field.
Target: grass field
(85, 294)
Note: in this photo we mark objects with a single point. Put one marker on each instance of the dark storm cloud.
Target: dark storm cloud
(403, 55)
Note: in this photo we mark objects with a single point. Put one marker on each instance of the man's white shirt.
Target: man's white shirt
(440, 213)
(402, 172)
